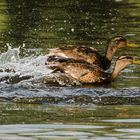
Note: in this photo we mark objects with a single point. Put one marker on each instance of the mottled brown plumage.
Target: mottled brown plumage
(91, 55)
(87, 73)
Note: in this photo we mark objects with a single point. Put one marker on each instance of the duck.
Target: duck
(91, 55)
(86, 73)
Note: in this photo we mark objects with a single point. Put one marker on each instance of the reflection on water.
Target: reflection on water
(36, 26)
(69, 122)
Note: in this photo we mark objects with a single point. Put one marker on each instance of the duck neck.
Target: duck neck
(114, 74)
(116, 71)
(110, 52)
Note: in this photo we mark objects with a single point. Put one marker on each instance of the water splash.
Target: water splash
(14, 69)
(12, 65)
(12, 55)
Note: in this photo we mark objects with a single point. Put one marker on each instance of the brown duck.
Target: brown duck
(87, 73)
(91, 55)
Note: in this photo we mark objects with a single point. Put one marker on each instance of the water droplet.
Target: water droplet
(72, 29)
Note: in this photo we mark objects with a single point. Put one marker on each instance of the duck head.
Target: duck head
(122, 62)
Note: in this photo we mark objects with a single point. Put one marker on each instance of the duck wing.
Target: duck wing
(88, 54)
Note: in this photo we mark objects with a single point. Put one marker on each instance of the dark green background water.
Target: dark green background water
(44, 24)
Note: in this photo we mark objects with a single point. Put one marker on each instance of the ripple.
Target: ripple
(123, 120)
(71, 95)
(135, 130)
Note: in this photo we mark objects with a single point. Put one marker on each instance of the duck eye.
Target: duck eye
(116, 41)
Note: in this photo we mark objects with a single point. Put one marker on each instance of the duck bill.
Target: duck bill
(136, 61)
(131, 45)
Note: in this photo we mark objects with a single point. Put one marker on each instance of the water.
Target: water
(33, 109)
(27, 121)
